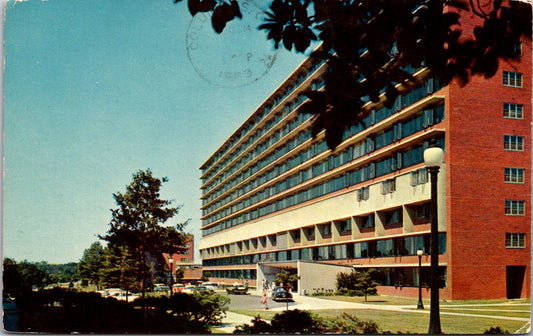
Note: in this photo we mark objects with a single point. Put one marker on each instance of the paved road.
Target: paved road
(253, 301)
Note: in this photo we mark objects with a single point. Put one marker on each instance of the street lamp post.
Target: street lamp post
(419, 253)
(433, 156)
(170, 261)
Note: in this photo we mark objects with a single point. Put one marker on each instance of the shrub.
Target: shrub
(357, 283)
(496, 330)
(258, 327)
(351, 324)
(62, 311)
(304, 322)
(293, 321)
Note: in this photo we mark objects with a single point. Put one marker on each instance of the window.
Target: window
(513, 111)
(420, 213)
(514, 208)
(517, 49)
(515, 240)
(363, 194)
(513, 143)
(512, 79)
(388, 186)
(392, 219)
(345, 227)
(419, 176)
(514, 175)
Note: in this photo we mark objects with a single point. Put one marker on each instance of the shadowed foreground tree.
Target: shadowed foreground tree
(370, 44)
(137, 224)
(20, 278)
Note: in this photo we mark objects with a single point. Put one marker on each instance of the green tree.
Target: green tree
(369, 45)
(120, 268)
(91, 264)
(21, 278)
(178, 273)
(357, 282)
(59, 272)
(286, 280)
(10, 277)
(137, 223)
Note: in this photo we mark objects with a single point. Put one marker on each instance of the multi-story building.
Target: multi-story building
(276, 198)
(184, 259)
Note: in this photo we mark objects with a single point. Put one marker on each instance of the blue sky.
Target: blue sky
(95, 90)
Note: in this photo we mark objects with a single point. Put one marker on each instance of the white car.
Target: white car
(189, 289)
(210, 286)
(124, 296)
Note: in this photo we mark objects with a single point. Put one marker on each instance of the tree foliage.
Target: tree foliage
(285, 279)
(120, 268)
(369, 46)
(357, 283)
(59, 311)
(59, 272)
(137, 225)
(201, 307)
(304, 322)
(91, 264)
(20, 278)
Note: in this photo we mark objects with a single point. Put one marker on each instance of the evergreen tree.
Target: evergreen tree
(91, 264)
(120, 268)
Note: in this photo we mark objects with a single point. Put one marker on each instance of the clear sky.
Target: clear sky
(95, 90)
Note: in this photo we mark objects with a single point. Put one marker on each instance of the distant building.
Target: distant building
(184, 259)
(275, 198)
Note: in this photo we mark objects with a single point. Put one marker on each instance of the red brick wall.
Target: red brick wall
(189, 254)
(476, 191)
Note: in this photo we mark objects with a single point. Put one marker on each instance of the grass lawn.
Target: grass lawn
(405, 301)
(406, 322)
(522, 314)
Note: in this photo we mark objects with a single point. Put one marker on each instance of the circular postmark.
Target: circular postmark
(240, 55)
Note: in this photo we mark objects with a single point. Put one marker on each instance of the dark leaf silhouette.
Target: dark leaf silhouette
(372, 45)
(196, 6)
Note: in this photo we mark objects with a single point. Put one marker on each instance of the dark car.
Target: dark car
(280, 294)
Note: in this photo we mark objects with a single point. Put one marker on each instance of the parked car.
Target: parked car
(210, 286)
(189, 289)
(161, 288)
(200, 289)
(280, 294)
(237, 288)
(176, 288)
(123, 296)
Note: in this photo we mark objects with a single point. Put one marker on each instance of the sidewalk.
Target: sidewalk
(231, 321)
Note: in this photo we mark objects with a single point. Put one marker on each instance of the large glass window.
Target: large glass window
(365, 223)
(393, 218)
(385, 248)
